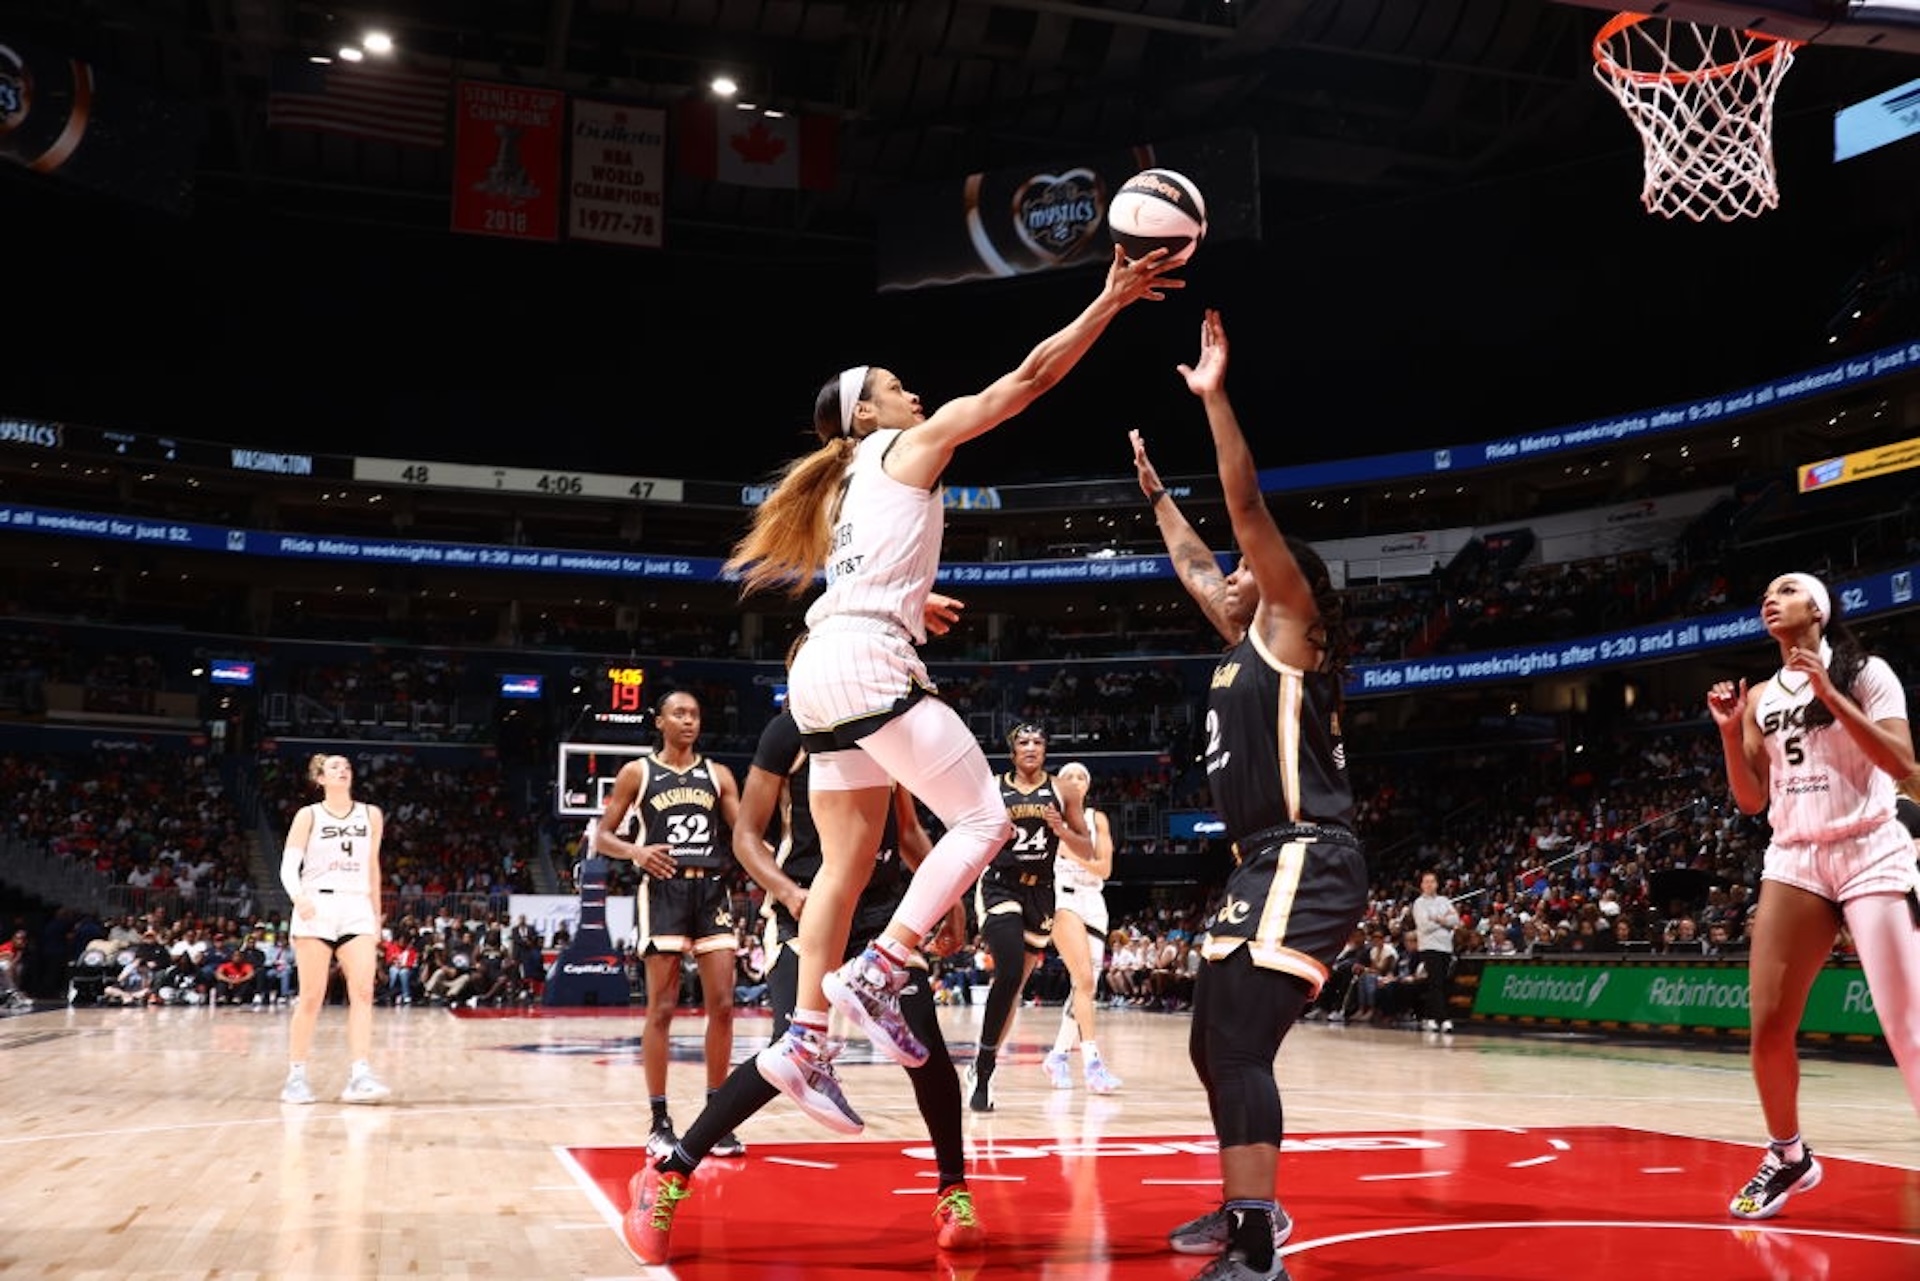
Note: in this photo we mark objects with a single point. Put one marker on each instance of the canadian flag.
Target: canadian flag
(721, 143)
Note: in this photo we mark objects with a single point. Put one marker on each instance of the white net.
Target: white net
(1702, 99)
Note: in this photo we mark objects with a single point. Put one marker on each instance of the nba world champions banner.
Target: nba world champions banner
(1018, 222)
(62, 118)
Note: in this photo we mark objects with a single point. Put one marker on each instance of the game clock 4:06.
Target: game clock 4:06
(625, 691)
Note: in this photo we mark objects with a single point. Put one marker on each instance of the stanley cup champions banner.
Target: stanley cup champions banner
(1016, 222)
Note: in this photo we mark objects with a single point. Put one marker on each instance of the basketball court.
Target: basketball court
(144, 1143)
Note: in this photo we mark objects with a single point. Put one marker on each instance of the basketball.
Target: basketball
(1158, 209)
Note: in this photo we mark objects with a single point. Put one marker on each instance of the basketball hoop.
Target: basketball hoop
(1702, 98)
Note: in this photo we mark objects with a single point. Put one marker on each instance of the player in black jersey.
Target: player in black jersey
(1014, 896)
(1277, 766)
(780, 765)
(671, 814)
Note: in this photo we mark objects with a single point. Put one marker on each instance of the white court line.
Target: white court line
(794, 1160)
(1612, 1225)
(1179, 1183)
(1663, 1169)
(1401, 1178)
(1531, 1161)
(1560, 1145)
(976, 1178)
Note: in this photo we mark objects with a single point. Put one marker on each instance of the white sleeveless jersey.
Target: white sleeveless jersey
(1822, 786)
(1069, 873)
(338, 850)
(886, 546)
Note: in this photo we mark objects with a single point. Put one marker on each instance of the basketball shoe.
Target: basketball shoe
(1208, 1233)
(800, 1066)
(1767, 1191)
(867, 990)
(1100, 1078)
(1233, 1266)
(364, 1087)
(1056, 1066)
(661, 1139)
(979, 1088)
(296, 1090)
(730, 1145)
(647, 1223)
(959, 1226)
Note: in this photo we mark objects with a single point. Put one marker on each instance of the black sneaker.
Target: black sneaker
(1767, 1191)
(979, 1089)
(728, 1146)
(661, 1141)
(1208, 1234)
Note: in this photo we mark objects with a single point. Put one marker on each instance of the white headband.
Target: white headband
(1816, 589)
(851, 381)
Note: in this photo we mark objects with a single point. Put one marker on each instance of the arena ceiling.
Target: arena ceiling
(1438, 177)
(1353, 101)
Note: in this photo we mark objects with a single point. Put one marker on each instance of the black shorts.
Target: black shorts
(692, 912)
(1003, 893)
(1292, 901)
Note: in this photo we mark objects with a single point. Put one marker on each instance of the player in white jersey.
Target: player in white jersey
(865, 509)
(1080, 936)
(330, 868)
(1819, 747)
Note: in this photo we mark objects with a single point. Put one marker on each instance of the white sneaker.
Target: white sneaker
(1428, 1025)
(296, 1090)
(1446, 1026)
(364, 1087)
(800, 1066)
(1059, 1074)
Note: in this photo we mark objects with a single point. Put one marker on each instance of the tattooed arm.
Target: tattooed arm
(1198, 568)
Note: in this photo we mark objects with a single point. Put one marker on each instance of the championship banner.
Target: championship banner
(506, 160)
(60, 118)
(1018, 222)
(617, 185)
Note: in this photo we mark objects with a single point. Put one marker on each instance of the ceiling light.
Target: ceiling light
(377, 42)
(725, 86)
(351, 53)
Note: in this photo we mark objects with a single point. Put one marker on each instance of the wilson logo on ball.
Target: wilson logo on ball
(1158, 209)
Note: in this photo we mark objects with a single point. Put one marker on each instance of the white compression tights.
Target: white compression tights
(930, 751)
(1888, 937)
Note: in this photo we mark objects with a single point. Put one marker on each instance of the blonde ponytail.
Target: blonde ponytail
(786, 545)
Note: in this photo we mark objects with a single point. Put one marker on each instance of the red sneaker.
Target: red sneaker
(959, 1228)
(647, 1223)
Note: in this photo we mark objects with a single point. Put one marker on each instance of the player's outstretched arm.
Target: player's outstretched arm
(1196, 565)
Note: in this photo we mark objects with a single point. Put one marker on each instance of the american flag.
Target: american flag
(359, 100)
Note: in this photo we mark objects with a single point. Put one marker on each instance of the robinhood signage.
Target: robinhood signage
(1684, 995)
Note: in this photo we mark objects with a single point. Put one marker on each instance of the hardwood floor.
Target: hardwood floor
(151, 1142)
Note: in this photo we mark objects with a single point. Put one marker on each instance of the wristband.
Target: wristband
(1153, 499)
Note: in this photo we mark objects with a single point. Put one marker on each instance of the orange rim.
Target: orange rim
(1620, 22)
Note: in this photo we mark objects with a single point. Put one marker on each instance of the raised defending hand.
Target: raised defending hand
(1143, 466)
(1208, 373)
(1727, 702)
(1131, 279)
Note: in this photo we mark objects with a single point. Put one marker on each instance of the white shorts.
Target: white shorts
(851, 670)
(1089, 905)
(337, 914)
(1880, 861)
